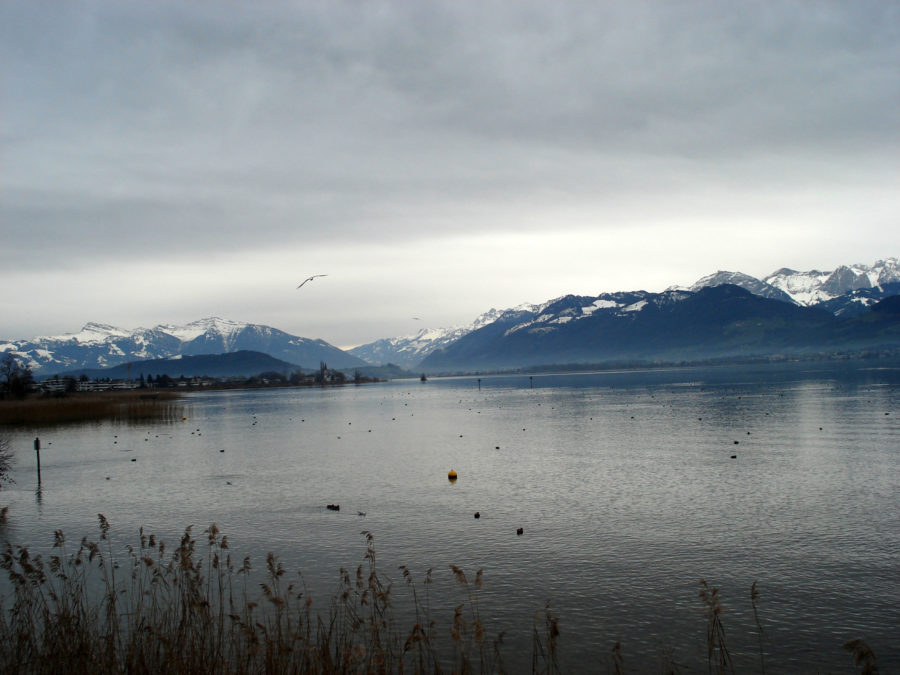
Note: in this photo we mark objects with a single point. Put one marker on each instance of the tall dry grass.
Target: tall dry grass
(124, 406)
(194, 609)
(191, 610)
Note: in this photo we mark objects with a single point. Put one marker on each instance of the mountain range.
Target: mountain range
(723, 321)
(102, 346)
(723, 314)
(846, 291)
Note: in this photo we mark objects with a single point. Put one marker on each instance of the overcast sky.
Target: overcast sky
(162, 162)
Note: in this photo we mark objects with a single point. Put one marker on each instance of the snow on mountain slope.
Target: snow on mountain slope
(752, 284)
(804, 287)
(815, 286)
(844, 291)
(407, 351)
(785, 285)
(99, 345)
(91, 333)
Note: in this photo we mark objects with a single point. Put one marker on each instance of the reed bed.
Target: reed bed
(126, 406)
(191, 610)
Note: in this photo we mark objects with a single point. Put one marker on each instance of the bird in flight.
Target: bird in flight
(311, 278)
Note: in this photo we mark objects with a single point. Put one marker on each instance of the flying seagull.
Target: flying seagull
(311, 278)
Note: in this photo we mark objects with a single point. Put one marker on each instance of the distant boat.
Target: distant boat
(423, 378)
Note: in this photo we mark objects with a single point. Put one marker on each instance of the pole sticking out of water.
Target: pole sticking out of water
(479, 384)
(37, 452)
(531, 381)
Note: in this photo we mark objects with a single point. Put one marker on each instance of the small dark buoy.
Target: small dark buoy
(736, 442)
(734, 457)
(221, 451)
(133, 459)
(496, 447)
(520, 531)
(478, 514)
(107, 478)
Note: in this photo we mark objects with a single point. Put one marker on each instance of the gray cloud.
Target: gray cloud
(189, 129)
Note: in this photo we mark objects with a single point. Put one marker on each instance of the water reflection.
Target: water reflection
(623, 483)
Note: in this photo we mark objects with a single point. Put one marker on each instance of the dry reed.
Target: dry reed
(130, 406)
(191, 610)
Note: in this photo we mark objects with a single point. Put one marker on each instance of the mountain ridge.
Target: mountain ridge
(784, 284)
(98, 345)
(847, 292)
(712, 322)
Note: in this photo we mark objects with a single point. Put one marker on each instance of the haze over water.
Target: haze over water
(624, 484)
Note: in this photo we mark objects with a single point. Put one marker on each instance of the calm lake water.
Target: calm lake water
(624, 484)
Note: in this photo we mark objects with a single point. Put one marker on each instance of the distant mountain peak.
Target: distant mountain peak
(752, 284)
(100, 345)
(818, 286)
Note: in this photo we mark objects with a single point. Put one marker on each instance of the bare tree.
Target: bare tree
(15, 379)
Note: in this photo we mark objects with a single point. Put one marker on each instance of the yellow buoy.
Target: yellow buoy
(451, 475)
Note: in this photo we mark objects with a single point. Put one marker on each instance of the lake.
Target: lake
(623, 482)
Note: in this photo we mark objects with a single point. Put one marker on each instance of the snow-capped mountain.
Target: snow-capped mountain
(100, 346)
(752, 284)
(407, 351)
(721, 321)
(815, 287)
(846, 291)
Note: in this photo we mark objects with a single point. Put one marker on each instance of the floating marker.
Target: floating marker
(451, 475)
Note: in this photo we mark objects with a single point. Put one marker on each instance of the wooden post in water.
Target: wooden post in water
(531, 381)
(37, 452)
(479, 384)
